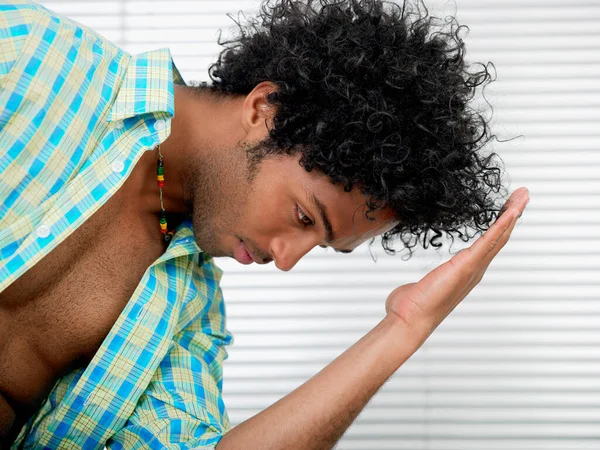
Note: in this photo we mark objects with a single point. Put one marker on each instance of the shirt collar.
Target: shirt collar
(147, 86)
(183, 243)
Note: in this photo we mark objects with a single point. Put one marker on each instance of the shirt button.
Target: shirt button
(119, 125)
(43, 231)
(160, 125)
(117, 166)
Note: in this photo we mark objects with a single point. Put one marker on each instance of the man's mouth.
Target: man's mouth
(242, 255)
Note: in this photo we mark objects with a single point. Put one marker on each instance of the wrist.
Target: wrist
(405, 339)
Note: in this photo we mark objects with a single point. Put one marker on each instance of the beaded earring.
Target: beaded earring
(160, 177)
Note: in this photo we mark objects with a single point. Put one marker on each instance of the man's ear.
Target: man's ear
(257, 112)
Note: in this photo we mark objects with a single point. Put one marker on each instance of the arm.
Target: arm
(183, 403)
(315, 415)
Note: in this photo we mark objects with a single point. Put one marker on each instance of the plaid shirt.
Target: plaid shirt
(76, 114)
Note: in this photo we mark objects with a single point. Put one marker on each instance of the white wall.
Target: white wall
(517, 365)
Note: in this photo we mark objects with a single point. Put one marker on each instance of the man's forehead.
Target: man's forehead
(363, 228)
(351, 220)
(345, 216)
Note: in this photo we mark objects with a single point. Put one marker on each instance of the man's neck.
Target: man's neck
(201, 124)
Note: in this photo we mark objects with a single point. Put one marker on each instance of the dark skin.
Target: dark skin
(207, 174)
(263, 215)
(55, 316)
(43, 314)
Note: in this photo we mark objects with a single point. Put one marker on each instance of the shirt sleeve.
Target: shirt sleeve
(182, 407)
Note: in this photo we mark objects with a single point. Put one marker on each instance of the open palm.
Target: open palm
(424, 305)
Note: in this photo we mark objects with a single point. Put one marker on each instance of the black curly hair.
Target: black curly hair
(377, 96)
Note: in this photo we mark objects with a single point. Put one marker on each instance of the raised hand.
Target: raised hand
(424, 305)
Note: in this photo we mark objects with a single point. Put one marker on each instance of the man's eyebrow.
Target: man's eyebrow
(320, 207)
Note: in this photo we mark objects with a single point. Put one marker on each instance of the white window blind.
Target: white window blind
(517, 365)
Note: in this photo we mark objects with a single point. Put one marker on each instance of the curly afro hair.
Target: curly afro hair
(376, 96)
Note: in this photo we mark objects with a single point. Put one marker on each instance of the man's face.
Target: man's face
(279, 214)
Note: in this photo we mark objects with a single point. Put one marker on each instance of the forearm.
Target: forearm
(316, 414)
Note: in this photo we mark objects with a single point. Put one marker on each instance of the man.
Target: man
(327, 123)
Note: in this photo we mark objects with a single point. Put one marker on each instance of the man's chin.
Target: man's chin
(216, 249)
(216, 252)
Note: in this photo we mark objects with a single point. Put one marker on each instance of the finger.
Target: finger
(493, 244)
(516, 201)
(474, 269)
(488, 245)
(475, 259)
(497, 245)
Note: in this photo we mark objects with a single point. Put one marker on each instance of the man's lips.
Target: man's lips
(242, 255)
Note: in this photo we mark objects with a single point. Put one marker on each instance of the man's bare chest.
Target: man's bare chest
(59, 312)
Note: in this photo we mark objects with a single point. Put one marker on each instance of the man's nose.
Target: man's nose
(287, 251)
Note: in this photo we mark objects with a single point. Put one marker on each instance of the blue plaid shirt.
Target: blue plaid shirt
(76, 114)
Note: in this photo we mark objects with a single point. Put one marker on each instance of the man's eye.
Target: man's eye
(303, 218)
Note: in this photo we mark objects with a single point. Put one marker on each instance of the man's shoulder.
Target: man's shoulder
(14, 9)
(19, 17)
(16, 21)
